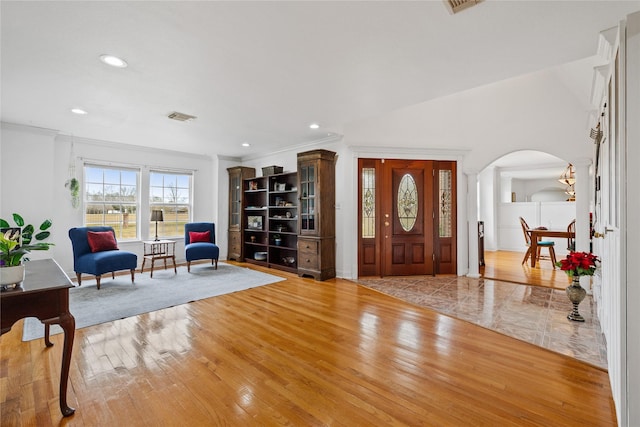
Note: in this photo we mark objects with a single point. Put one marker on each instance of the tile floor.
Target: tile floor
(530, 313)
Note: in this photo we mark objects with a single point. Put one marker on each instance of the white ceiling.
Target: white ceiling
(261, 72)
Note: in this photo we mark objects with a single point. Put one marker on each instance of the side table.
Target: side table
(159, 249)
(44, 294)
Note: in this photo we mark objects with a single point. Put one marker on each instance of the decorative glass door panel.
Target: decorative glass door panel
(236, 200)
(307, 199)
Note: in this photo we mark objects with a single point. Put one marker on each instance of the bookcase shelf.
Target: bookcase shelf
(270, 211)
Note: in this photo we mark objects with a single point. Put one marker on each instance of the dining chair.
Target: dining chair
(571, 240)
(541, 244)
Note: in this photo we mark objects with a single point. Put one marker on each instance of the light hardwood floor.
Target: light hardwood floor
(507, 266)
(301, 353)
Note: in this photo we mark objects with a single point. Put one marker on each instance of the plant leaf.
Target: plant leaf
(27, 234)
(42, 235)
(45, 225)
(4, 223)
(18, 219)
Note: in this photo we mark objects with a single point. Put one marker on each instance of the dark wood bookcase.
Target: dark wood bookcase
(270, 234)
(317, 225)
(288, 219)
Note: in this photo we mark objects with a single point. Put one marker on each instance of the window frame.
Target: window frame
(171, 210)
(122, 222)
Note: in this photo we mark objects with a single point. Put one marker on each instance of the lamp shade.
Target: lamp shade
(568, 176)
(157, 216)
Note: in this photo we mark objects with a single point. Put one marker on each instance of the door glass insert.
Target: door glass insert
(368, 202)
(407, 202)
(444, 211)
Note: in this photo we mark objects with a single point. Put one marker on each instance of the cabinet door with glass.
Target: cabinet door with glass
(307, 173)
(236, 175)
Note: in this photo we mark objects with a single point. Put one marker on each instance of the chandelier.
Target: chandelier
(568, 178)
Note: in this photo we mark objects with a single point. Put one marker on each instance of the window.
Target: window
(111, 199)
(368, 202)
(171, 193)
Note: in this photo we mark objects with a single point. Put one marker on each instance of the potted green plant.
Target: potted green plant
(15, 243)
(74, 189)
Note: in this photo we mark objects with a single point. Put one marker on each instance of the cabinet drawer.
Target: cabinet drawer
(308, 261)
(308, 246)
(308, 254)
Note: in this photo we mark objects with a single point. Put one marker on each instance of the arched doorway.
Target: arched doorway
(522, 184)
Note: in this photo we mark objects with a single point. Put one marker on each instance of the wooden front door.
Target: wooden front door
(407, 217)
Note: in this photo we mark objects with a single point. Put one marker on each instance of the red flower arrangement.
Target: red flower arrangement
(579, 264)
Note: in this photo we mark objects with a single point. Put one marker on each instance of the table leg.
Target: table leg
(534, 250)
(47, 341)
(68, 324)
(143, 261)
(152, 262)
(175, 270)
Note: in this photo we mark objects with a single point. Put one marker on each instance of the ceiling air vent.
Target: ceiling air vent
(181, 117)
(456, 6)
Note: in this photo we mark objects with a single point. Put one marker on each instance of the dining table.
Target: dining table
(538, 234)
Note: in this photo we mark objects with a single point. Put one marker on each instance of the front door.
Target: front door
(407, 235)
(407, 217)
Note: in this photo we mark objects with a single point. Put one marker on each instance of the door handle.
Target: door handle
(602, 235)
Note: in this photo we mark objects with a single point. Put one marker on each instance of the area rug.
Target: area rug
(118, 298)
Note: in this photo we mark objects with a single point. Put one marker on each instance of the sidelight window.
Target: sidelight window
(368, 202)
(445, 203)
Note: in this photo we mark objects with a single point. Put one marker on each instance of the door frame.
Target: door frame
(376, 248)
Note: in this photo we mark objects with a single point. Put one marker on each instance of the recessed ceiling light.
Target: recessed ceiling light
(246, 144)
(78, 111)
(314, 126)
(114, 61)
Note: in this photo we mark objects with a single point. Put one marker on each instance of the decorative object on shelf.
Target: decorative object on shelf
(72, 183)
(157, 216)
(253, 185)
(260, 256)
(15, 243)
(253, 239)
(577, 264)
(280, 187)
(271, 170)
(254, 222)
(289, 260)
(277, 240)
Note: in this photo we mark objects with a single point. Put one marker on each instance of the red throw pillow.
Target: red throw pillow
(101, 241)
(197, 236)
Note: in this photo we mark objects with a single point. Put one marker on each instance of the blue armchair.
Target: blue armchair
(98, 253)
(200, 245)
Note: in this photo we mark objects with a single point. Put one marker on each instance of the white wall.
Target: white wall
(40, 159)
(553, 215)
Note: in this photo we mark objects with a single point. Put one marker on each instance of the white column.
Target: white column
(472, 221)
(584, 191)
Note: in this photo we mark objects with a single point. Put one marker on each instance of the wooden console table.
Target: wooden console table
(159, 249)
(44, 294)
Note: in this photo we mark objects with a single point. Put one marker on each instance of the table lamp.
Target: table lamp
(157, 216)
